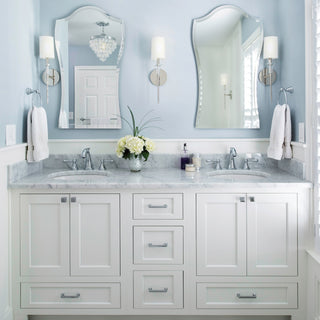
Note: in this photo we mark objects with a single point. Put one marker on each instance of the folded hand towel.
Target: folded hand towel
(29, 137)
(280, 134)
(40, 134)
(287, 152)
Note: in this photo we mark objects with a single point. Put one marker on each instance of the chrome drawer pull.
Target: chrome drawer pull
(242, 199)
(76, 296)
(252, 199)
(64, 199)
(253, 296)
(163, 245)
(151, 206)
(164, 290)
(73, 199)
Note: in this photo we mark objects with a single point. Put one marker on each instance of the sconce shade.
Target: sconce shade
(270, 48)
(46, 47)
(158, 48)
(223, 79)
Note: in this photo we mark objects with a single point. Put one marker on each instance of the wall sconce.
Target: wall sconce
(158, 76)
(268, 76)
(46, 51)
(224, 79)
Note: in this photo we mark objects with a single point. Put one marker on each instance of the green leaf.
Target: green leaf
(145, 154)
(133, 122)
(126, 154)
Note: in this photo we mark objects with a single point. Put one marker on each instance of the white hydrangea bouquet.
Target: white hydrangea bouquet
(135, 147)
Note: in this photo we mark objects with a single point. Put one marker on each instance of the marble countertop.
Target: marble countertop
(158, 179)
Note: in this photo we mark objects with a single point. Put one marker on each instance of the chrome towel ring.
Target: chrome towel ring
(285, 91)
(34, 92)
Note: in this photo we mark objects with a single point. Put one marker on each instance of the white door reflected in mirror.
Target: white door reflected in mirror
(96, 97)
(92, 41)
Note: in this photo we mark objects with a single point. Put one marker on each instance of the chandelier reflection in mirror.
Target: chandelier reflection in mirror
(102, 45)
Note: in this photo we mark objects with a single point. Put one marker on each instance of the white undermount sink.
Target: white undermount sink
(239, 174)
(80, 175)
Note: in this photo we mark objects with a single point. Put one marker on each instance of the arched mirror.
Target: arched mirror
(89, 45)
(227, 44)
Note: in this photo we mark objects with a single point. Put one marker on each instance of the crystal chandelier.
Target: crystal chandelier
(102, 45)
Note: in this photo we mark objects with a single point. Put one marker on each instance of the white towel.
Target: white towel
(280, 134)
(287, 151)
(29, 137)
(40, 134)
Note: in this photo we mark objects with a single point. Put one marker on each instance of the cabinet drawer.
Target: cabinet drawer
(158, 289)
(69, 295)
(158, 245)
(157, 206)
(246, 295)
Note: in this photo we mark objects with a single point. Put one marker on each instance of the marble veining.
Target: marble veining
(157, 178)
(160, 171)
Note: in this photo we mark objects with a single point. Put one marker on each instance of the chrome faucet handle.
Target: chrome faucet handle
(218, 164)
(74, 165)
(246, 163)
(102, 165)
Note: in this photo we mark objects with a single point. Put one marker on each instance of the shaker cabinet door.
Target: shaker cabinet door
(95, 248)
(272, 234)
(221, 234)
(44, 225)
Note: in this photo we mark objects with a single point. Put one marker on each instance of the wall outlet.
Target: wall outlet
(11, 134)
(301, 132)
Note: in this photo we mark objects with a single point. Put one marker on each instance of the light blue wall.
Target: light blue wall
(292, 56)
(172, 19)
(19, 23)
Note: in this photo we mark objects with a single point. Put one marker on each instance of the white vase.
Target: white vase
(135, 163)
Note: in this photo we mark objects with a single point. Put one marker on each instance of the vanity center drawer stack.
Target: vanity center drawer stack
(158, 250)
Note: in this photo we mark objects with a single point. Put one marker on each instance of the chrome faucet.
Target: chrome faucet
(85, 154)
(232, 155)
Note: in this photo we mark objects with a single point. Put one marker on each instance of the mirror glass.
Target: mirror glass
(89, 45)
(227, 44)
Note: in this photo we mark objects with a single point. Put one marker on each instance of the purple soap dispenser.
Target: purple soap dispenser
(185, 158)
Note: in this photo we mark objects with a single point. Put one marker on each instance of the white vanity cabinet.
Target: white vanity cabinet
(44, 225)
(221, 234)
(191, 252)
(272, 234)
(247, 234)
(95, 234)
(63, 232)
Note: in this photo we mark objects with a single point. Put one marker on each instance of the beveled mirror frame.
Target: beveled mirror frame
(64, 105)
(198, 64)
